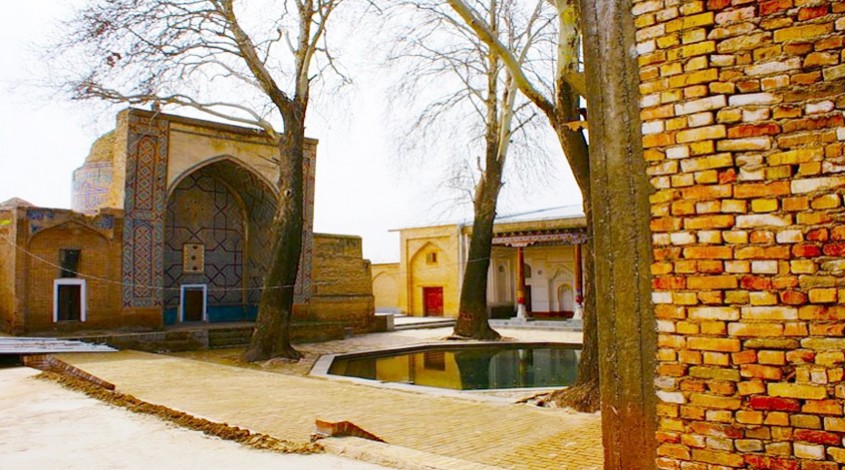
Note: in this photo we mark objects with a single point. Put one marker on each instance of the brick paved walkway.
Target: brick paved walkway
(285, 406)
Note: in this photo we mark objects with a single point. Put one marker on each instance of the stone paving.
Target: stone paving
(283, 403)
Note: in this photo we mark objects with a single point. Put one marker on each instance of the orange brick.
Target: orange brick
(755, 329)
(713, 344)
(701, 133)
(752, 190)
(751, 387)
(709, 222)
(762, 252)
(720, 191)
(768, 7)
(823, 407)
(689, 357)
(716, 328)
(672, 370)
(791, 390)
(718, 458)
(744, 357)
(799, 203)
(708, 252)
(658, 140)
(676, 451)
(772, 357)
(666, 224)
(711, 267)
(668, 283)
(803, 32)
(823, 295)
(758, 371)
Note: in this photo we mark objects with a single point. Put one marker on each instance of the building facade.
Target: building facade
(170, 223)
(535, 257)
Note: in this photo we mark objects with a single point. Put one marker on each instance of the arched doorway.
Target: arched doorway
(566, 299)
(217, 243)
(430, 285)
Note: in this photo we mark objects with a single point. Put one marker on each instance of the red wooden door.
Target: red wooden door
(433, 301)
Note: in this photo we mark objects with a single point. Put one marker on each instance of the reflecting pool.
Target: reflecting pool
(484, 367)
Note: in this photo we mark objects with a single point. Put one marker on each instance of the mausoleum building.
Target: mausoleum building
(170, 223)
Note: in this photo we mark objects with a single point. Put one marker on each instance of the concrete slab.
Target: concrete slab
(17, 345)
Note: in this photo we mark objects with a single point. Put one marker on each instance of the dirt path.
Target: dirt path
(43, 425)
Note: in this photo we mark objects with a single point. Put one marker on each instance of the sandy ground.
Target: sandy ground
(43, 426)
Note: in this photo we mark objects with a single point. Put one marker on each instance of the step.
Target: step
(423, 325)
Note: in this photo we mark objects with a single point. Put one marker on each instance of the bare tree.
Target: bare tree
(221, 58)
(476, 94)
(557, 96)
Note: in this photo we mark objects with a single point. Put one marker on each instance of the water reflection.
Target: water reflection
(469, 369)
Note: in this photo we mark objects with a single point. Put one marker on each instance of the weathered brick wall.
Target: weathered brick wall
(99, 265)
(342, 284)
(7, 270)
(386, 287)
(742, 108)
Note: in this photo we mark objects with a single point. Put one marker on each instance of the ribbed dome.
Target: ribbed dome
(102, 150)
(15, 202)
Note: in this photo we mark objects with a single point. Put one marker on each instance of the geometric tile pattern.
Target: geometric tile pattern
(144, 204)
(303, 290)
(203, 211)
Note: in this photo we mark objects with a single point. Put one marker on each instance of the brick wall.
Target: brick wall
(742, 108)
(386, 286)
(7, 271)
(342, 288)
(99, 264)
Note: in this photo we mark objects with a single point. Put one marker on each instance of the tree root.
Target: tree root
(221, 430)
(584, 397)
(257, 355)
(488, 334)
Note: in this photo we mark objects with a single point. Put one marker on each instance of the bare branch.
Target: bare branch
(482, 29)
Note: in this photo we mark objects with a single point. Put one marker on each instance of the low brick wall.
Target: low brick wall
(180, 340)
(212, 337)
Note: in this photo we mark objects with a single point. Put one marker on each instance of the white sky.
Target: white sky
(363, 187)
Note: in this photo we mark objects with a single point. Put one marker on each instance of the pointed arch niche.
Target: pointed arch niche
(217, 235)
(430, 269)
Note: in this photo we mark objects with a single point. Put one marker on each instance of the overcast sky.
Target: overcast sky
(363, 186)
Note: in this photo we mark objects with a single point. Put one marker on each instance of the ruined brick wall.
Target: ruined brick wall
(342, 284)
(742, 109)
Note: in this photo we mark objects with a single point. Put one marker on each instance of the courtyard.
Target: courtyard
(461, 430)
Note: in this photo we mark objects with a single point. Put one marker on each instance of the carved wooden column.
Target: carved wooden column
(619, 194)
(579, 282)
(521, 311)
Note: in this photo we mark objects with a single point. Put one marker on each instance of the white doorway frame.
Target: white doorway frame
(183, 288)
(83, 300)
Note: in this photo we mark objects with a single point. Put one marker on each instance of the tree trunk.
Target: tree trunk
(472, 313)
(584, 394)
(472, 317)
(271, 336)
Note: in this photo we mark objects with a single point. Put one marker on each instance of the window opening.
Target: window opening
(69, 262)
